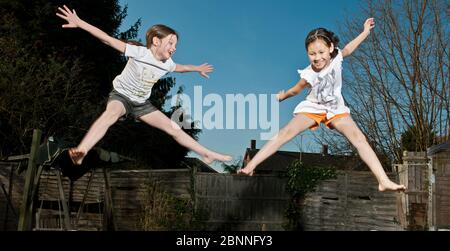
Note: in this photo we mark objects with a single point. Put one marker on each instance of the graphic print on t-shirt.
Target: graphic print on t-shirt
(325, 90)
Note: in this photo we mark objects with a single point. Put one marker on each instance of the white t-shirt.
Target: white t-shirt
(325, 94)
(142, 71)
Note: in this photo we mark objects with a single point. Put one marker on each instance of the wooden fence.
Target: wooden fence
(86, 198)
(426, 204)
(231, 202)
(10, 195)
(350, 202)
(128, 189)
(440, 218)
(112, 199)
(241, 203)
(414, 205)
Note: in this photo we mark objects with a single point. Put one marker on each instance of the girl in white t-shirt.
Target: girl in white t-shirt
(132, 88)
(325, 104)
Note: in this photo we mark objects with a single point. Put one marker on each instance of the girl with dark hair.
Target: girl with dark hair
(325, 104)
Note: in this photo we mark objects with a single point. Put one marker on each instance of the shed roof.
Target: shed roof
(439, 148)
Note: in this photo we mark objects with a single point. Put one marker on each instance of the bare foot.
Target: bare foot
(213, 156)
(77, 155)
(391, 186)
(246, 172)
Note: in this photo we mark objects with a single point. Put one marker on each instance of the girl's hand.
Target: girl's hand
(280, 95)
(73, 21)
(369, 24)
(204, 69)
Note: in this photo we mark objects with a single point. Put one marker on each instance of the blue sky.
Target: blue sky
(255, 46)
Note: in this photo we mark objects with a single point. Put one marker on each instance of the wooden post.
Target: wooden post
(88, 187)
(63, 201)
(417, 195)
(431, 197)
(402, 205)
(109, 224)
(26, 209)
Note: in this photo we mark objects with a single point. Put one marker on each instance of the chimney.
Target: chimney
(324, 150)
(252, 144)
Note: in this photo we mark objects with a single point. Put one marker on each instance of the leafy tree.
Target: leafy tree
(302, 179)
(409, 139)
(39, 93)
(53, 79)
(58, 80)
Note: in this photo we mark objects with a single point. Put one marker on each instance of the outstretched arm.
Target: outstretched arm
(203, 69)
(297, 89)
(350, 47)
(73, 21)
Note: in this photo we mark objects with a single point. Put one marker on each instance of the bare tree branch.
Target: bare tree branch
(398, 79)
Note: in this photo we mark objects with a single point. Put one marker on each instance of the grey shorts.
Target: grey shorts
(134, 109)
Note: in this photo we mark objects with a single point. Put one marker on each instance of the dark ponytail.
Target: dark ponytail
(325, 35)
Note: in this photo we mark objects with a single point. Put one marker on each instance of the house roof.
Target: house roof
(279, 161)
(439, 148)
(201, 166)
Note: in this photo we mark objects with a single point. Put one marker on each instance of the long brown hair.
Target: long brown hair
(160, 31)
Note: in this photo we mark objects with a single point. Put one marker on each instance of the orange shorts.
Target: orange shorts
(322, 118)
